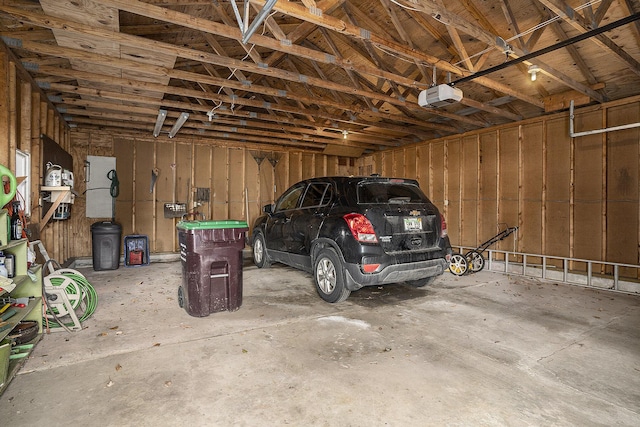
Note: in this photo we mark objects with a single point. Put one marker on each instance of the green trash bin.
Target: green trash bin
(211, 258)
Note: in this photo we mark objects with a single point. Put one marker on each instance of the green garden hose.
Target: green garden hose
(82, 293)
(115, 184)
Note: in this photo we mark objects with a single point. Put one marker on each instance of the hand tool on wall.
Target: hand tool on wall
(174, 190)
(154, 176)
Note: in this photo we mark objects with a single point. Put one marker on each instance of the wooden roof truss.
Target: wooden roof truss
(306, 74)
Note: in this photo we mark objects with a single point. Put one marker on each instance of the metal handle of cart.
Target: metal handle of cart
(473, 261)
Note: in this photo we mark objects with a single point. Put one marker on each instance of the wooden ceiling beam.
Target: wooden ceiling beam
(492, 41)
(205, 25)
(181, 51)
(403, 34)
(336, 95)
(236, 73)
(433, 111)
(220, 12)
(534, 38)
(373, 57)
(571, 49)
(490, 109)
(302, 31)
(484, 24)
(340, 26)
(257, 120)
(466, 101)
(147, 86)
(310, 95)
(193, 123)
(362, 94)
(351, 74)
(513, 23)
(443, 40)
(200, 132)
(125, 64)
(577, 21)
(515, 29)
(271, 24)
(630, 8)
(457, 43)
(221, 60)
(35, 35)
(598, 16)
(360, 18)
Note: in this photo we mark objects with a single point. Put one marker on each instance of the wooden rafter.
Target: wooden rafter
(314, 68)
(399, 49)
(491, 40)
(630, 8)
(575, 55)
(580, 23)
(216, 59)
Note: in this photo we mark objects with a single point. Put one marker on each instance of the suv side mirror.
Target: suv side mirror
(268, 209)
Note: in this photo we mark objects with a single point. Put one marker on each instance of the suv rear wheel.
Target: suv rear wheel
(418, 283)
(328, 276)
(260, 257)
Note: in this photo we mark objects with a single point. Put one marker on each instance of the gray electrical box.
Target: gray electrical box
(99, 200)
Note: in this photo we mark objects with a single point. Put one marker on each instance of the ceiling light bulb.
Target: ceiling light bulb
(344, 134)
(534, 70)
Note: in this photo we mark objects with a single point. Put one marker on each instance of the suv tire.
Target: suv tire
(418, 283)
(260, 256)
(328, 276)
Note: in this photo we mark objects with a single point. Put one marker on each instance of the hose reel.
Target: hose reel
(68, 293)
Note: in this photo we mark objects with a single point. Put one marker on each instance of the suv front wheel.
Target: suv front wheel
(328, 276)
(260, 256)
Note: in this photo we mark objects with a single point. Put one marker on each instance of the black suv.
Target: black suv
(351, 232)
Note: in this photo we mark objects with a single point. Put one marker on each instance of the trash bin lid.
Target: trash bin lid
(105, 226)
(208, 225)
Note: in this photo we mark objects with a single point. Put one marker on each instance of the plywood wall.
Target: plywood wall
(239, 185)
(240, 180)
(571, 197)
(25, 116)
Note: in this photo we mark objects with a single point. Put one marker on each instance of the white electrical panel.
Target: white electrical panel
(100, 204)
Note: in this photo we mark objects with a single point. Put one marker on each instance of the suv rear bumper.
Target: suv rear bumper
(395, 273)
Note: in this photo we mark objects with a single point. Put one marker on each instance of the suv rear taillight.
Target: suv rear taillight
(361, 228)
(443, 227)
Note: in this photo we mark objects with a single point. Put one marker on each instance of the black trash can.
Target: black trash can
(105, 236)
(211, 255)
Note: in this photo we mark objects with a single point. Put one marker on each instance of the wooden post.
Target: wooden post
(520, 182)
(543, 202)
(605, 155)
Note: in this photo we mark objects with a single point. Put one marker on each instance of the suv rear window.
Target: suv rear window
(318, 194)
(390, 192)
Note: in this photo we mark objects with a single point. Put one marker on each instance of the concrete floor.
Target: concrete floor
(482, 350)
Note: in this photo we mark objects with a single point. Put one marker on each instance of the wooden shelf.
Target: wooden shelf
(28, 284)
(22, 314)
(59, 195)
